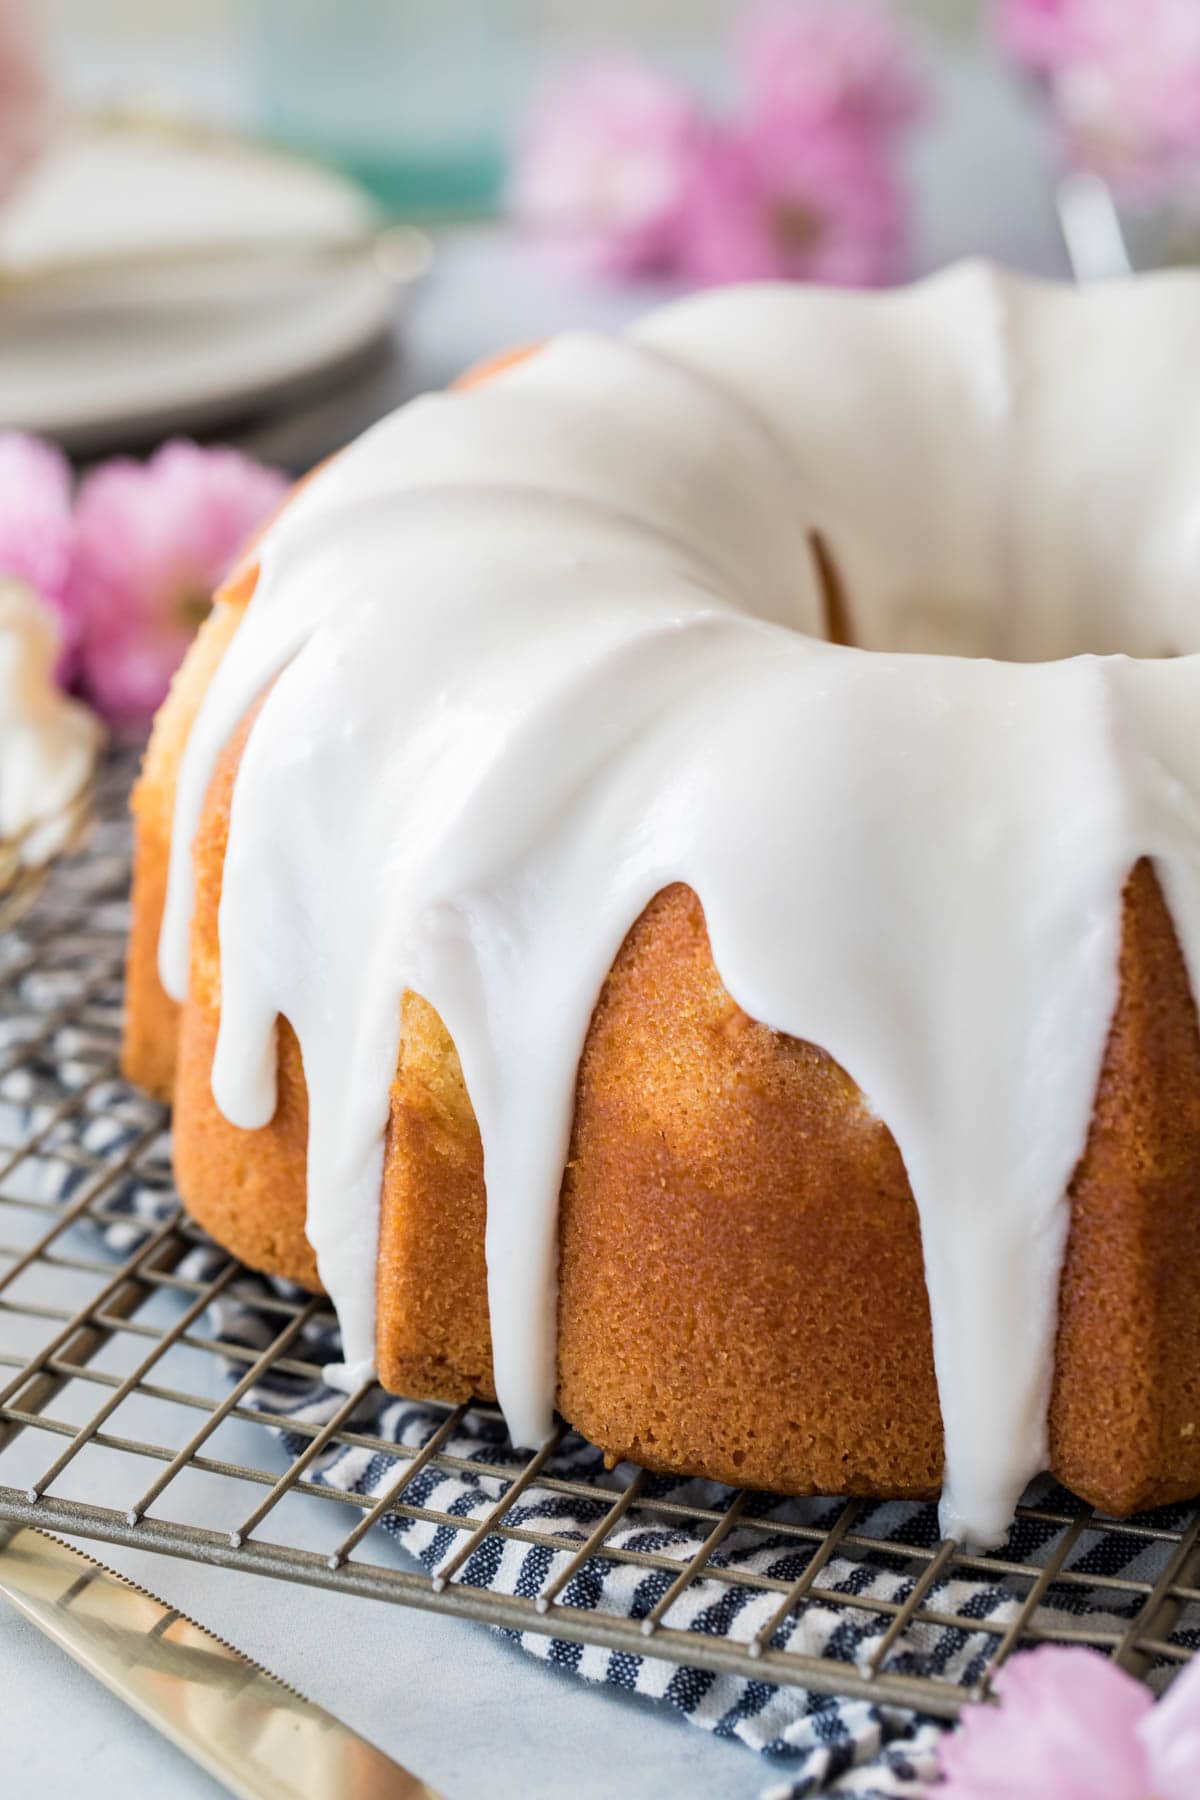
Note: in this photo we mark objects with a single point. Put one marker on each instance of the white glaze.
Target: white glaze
(47, 742)
(543, 647)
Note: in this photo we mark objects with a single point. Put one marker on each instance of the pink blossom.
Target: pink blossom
(827, 63)
(24, 96)
(1041, 33)
(787, 203)
(627, 174)
(603, 167)
(36, 531)
(153, 540)
(1123, 81)
(1072, 1726)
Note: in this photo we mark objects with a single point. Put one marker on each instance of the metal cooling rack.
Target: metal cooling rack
(104, 1357)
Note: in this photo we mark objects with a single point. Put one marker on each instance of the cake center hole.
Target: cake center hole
(1025, 628)
(834, 606)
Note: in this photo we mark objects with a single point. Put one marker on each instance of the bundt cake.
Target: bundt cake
(675, 873)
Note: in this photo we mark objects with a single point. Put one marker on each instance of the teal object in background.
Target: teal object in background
(413, 98)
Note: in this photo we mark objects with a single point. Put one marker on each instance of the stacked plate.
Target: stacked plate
(156, 278)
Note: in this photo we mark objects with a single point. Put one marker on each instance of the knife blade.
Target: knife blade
(248, 1729)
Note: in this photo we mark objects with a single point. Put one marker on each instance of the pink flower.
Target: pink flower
(36, 532)
(626, 173)
(604, 165)
(1041, 33)
(804, 186)
(827, 63)
(153, 540)
(24, 96)
(1123, 81)
(784, 202)
(1072, 1726)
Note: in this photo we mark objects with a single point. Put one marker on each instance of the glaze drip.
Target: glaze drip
(541, 648)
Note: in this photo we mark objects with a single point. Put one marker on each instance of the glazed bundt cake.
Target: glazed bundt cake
(675, 873)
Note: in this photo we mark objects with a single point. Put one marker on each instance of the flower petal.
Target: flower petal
(842, 63)
(1065, 1728)
(1124, 83)
(603, 167)
(1171, 1735)
(36, 529)
(780, 200)
(153, 539)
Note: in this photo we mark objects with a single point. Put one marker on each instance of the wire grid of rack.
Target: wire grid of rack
(86, 1336)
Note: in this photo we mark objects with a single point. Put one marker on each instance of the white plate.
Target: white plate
(189, 358)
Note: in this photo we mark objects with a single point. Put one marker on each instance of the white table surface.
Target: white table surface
(466, 1711)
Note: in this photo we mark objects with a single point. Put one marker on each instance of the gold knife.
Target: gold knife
(249, 1730)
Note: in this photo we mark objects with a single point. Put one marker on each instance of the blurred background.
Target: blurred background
(266, 222)
(419, 97)
(424, 105)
